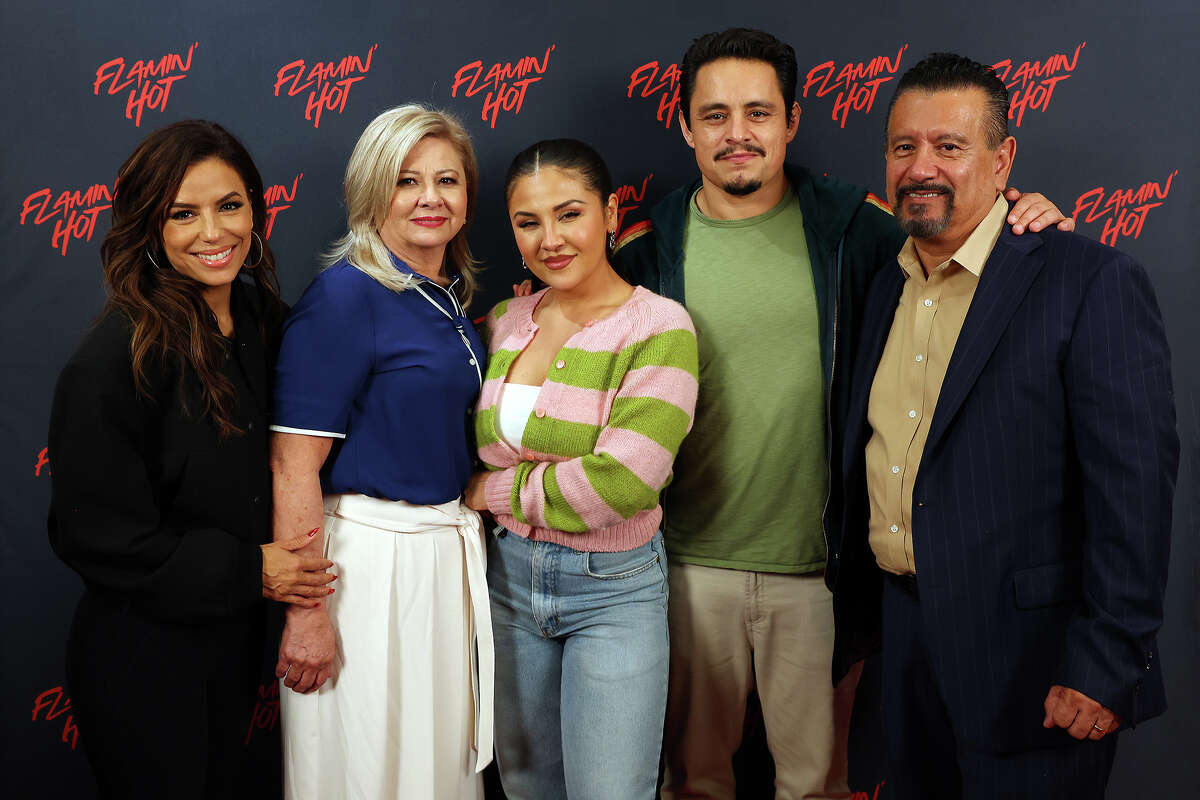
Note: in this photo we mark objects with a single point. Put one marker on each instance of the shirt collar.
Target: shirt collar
(971, 254)
(399, 264)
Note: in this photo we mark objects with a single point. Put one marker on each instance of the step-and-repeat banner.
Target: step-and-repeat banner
(1103, 108)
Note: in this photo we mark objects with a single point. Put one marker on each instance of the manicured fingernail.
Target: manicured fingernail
(313, 532)
(334, 578)
(331, 590)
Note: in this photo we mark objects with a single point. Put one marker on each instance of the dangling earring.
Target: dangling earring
(152, 261)
(523, 264)
(262, 251)
(612, 240)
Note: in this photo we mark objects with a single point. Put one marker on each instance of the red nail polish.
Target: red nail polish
(313, 532)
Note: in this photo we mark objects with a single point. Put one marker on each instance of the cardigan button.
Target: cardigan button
(541, 412)
(560, 363)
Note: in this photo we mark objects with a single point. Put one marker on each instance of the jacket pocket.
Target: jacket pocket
(1047, 585)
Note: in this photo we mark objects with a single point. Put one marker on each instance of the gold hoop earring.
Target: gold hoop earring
(262, 251)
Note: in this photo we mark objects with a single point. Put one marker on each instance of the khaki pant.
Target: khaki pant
(734, 631)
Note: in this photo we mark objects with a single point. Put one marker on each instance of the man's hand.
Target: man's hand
(1034, 211)
(306, 649)
(1082, 716)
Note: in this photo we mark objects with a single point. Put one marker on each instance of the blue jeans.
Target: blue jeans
(581, 668)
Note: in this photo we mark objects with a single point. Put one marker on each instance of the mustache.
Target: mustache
(908, 189)
(741, 148)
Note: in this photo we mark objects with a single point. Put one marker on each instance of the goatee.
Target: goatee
(919, 224)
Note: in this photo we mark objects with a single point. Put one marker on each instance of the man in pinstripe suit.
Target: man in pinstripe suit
(1010, 467)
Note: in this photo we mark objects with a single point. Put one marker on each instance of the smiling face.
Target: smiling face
(429, 206)
(561, 226)
(740, 126)
(207, 232)
(942, 177)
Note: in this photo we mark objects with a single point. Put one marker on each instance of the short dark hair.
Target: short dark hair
(744, 43)
(943, 71)
(569, 154)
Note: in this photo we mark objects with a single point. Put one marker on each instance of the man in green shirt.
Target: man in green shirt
(773, 264)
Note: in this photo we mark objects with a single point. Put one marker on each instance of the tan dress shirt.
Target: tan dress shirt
(909, 378)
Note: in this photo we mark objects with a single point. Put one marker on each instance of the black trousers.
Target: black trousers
(163, 709)
(927, 762)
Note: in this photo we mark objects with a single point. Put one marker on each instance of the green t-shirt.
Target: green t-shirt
(751, 479)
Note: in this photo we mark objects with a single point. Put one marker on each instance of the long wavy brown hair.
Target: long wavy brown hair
(171, 320)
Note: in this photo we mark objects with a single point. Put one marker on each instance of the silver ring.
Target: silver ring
(1097, 727)
(285, 672)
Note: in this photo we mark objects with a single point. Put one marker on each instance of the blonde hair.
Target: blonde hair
(371, 181)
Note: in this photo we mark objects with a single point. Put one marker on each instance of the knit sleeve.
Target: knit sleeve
(631, 461)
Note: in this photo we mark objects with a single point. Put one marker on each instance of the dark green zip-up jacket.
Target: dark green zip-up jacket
(850, 236)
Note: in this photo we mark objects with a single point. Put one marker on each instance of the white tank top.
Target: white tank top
(514, 404)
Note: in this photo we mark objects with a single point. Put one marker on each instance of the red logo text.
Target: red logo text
(663, 84)
(43, 460)
(630, 197)
(52, 704)
(861, 795)
(278, 198)
(1031, 85)
(1123, 210)
(856, 83)
(73, 212)
(505, 83)
(266, 710)
(149, 82)
(327, 83)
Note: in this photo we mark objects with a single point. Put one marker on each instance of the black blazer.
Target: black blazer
(148, 504)
(1042, 507)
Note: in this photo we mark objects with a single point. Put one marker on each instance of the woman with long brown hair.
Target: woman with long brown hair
(161, 487)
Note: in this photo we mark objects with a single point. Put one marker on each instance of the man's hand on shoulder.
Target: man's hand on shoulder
(1034, 212)
(1082, 716)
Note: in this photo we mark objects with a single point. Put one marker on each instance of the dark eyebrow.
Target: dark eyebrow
(229, 196)
(558, 207)
(707, 107)
(954, 137)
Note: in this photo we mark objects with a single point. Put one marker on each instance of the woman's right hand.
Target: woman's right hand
(291, 578)
(306, 650)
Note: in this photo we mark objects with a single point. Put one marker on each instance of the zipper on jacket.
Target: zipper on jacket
(837, 284)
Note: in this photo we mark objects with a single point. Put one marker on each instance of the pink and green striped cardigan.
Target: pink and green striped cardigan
(608, 422)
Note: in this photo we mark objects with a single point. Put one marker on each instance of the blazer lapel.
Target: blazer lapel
(1007, 276)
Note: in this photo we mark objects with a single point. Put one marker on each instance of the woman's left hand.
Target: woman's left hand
(1035, 212)
(473, 495)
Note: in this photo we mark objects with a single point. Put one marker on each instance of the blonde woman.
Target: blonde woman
(383, 696)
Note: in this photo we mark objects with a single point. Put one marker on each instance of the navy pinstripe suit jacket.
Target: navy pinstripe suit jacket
(1042, 506)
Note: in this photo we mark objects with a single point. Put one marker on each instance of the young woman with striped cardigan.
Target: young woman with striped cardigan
(589, 391)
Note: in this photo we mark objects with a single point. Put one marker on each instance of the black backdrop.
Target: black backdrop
(1104, 113)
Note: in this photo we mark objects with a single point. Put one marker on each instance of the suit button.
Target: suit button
(256, 500)
(250, 426)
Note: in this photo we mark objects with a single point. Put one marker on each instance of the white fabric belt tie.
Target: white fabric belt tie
(397, 516)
